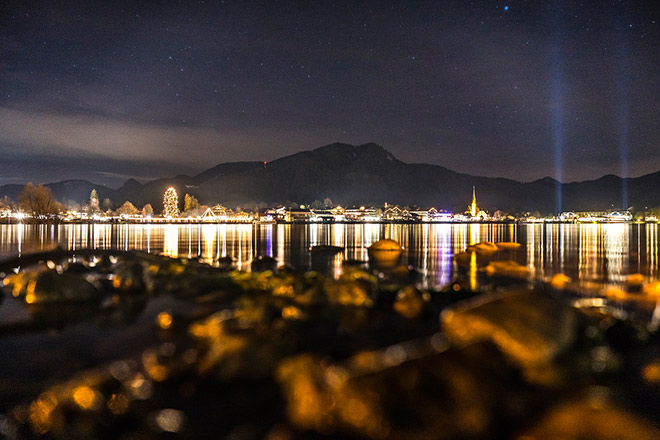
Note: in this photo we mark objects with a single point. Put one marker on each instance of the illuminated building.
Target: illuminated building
(473, 210)
(395, 213)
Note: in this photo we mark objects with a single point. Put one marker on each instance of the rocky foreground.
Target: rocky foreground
(128, 345)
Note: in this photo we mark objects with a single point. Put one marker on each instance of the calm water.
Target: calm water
(590, 253)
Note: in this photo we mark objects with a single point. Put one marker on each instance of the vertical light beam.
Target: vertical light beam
(622, 59)
(557, 90)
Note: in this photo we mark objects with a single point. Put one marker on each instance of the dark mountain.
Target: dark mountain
(130, 185)
(226, 169)
(367, 174)
(356, 175)
(152, 192)
(68, 190)
(12, 191)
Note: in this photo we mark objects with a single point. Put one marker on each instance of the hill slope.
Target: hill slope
(362, 175)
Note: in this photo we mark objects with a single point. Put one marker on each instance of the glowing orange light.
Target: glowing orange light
(164, 320)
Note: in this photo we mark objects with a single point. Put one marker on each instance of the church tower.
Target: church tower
(473, 209)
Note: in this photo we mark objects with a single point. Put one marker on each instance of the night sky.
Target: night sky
(520, 89)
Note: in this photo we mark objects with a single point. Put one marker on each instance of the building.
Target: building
(395, 213)
(473, 210)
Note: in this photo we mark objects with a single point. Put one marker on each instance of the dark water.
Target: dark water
(593, 254)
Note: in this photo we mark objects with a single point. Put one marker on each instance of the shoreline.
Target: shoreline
(345, 222)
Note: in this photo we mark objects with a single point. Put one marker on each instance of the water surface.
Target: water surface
(593, 254)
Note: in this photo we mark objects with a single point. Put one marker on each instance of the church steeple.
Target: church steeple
(473, 209)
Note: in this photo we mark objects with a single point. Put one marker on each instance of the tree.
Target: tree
(127, 209)
(147, 210)
(94, 201)
(37, 200)
(190, 203)
(170, 203)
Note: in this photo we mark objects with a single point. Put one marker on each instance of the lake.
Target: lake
(593, 254)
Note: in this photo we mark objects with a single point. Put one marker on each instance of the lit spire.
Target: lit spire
(473, 209)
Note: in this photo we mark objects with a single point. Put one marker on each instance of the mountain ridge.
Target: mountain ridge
(360, 175)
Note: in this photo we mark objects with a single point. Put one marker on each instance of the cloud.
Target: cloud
(100, 136)
(25, 132)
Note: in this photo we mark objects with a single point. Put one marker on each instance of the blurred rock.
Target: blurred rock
(559, 281)
(592, 417)
(48, 286)
(348, 292)
(483, 248)
(173, 347)
(506, 269)
(326, 249)
(508, 246)
(225, 263)
(530, 327)
(263, 264)
(409, 302)
(395, 394)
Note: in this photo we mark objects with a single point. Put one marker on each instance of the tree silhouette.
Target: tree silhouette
(127, 209)
(147, 210)
(37, 200)
(190, 203)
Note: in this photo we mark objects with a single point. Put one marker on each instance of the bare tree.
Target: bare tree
(5, 203)
(127, 209)
(37, 200)
(190, 203)
(147, 210)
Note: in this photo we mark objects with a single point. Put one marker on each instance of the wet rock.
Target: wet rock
(225, 263)
(635, 280)
(464, 259)
(625, 335)
(129, 277)
(591, 417)
(384, 252)
(324, 261)
(409, 302)
(60, 314)
(559, 281)
(402, 274)
(652, 289)
(348, 292)
(472, 259)
(48, 286)
(326, 249)
(483, 248)
(508, 246)
(263, 264)
(616, 294)
(228, 355)
(651, 373)
(395, 394)
(506, 269)
(77, 267)
(531, 328)
(299, 355)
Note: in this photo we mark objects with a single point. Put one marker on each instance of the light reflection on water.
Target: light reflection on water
(591, 253)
